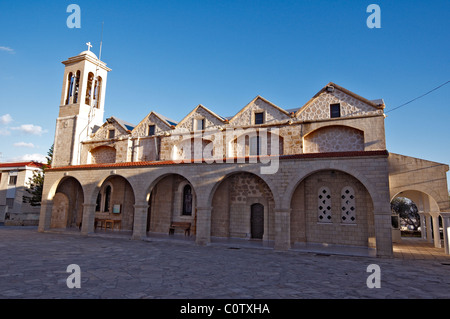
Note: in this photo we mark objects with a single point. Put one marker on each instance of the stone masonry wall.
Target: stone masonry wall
(246, 116)
(334, 139)
(187, 124)
(231, 206)
(307, 227)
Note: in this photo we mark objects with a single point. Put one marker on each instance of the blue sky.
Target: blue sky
(170, 56)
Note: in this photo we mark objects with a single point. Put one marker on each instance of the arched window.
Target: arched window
(70, 80)
(348, 207)
(77, 87)
(98, 205)
(107, 198)
(97, 91)
(324, 205)
(87, 100)
(187, 200)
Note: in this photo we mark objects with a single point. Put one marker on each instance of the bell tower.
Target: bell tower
(81, 107)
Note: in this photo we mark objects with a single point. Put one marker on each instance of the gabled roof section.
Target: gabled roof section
(127, 126)
(198, 109)
(124, 128)
(330, 87)
(258, 98)
(166, 121)
(161, 123)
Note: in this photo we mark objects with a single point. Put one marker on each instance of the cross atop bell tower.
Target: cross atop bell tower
(81, 107)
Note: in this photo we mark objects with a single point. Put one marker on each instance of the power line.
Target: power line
(438, 87)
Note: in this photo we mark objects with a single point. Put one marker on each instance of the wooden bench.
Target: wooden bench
(103, 223)
(183, 225)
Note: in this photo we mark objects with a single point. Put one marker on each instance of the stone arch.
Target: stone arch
(231, 200)
(334, 138)
(121, 202)
(162, 176)
(67, 196)
(301, 175)
(165, 203)
(430, 214)
(424, 200)
(267, 181)
(306, 212)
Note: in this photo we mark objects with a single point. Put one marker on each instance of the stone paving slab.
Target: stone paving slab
(33, 266)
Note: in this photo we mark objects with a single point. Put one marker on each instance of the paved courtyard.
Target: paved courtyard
(34, 265)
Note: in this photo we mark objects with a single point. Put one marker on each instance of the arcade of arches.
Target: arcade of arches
(326, 206)
(315, 204)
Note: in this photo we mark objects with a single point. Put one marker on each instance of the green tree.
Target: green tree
(407, 211)
(36, 182)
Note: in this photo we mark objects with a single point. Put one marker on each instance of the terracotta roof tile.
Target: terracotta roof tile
(21, 164)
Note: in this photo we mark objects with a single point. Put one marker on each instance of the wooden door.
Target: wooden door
(257, 221)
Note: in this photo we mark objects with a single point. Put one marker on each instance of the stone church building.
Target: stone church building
(317, 174)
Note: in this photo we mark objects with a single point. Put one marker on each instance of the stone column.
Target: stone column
(282, 228)
(429, 229)
(140, 221)
(203, 227)
(45, 216)
(446, 226)
(436, 234)
(383, 234)
(423, 223)
(87, 225)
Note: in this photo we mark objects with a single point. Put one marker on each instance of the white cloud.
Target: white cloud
(30, 129)
(4, 131)
(29, 157)
(7, 49)
(24, 144)
(5, 119)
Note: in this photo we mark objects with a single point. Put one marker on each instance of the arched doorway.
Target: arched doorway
(332, 207)
(115, 204)
(171, 199)
(243, 207)
(67, 210)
